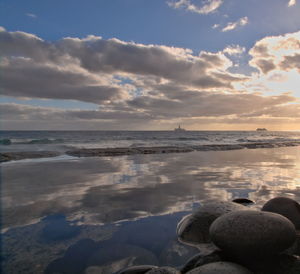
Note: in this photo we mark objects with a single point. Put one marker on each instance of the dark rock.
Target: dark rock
(243, 201)
(141, 269)
(15, 156)
(193, 229)
(200, 259)
(252, 233)
(220, 268)
(287, 207)
(278, 264)
(163, 270)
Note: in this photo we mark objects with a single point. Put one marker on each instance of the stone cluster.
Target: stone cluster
(233, 238)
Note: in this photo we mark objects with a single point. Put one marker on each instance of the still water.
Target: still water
(98, 215)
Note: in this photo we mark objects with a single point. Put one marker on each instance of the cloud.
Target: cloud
(31, 15)
(234, 50)
(208, 6)
(150, 111)
(233, 25)
(24, 78)
(292, 3)
(277, 53)
(140, 86)
(89, 69)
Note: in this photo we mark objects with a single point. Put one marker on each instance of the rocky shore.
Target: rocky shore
(120, 151)
(233, 238)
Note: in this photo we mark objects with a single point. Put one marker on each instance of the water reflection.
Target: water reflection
(52, 211)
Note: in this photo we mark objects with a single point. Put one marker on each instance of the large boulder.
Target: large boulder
(251, 233)
(220, 268)
(287, 207)
(193, 229)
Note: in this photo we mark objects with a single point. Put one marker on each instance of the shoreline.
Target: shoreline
(122, 151)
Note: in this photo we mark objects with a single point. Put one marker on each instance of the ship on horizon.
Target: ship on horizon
(261, 129)
(179, 129)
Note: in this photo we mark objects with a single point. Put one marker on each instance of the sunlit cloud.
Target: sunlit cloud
(233, 25)
(234, 50)
(292, 3)
(277, 53)
(208, 6)
(147, 86)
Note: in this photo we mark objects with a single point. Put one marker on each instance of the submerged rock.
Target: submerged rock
(252, 233)
(220, 268)
(120, 256)
(163, 270)
(243, 201)
(193, 229)
(176, 253)
(287, 207)
(141, 269)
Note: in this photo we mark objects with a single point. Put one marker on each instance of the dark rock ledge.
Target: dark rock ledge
(119, 151)
(15, 156)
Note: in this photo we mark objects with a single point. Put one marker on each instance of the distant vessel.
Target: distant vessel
(179, 129)
(261, 129)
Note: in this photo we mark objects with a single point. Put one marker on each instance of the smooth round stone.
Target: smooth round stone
(200, 259)
(193, 229)
(287, 207)
(163, 270)
(252, 233)
(140, 269)
(220, 268)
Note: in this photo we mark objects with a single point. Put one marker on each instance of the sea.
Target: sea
(65, 140)
(85, 215)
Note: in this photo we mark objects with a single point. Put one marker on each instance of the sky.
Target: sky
(149, 64)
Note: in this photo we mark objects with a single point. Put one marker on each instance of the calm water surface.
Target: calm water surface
(101, 214)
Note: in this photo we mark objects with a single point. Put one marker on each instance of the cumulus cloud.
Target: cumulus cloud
(206, 7)
(233, 25)
(277, 53)
(292, 3)
(24, 78)
(140, 86)
(88, 69)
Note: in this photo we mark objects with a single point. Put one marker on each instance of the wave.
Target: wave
(42, 141)
(5, 142)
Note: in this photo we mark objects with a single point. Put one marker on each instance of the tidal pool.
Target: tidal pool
(88, 215)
